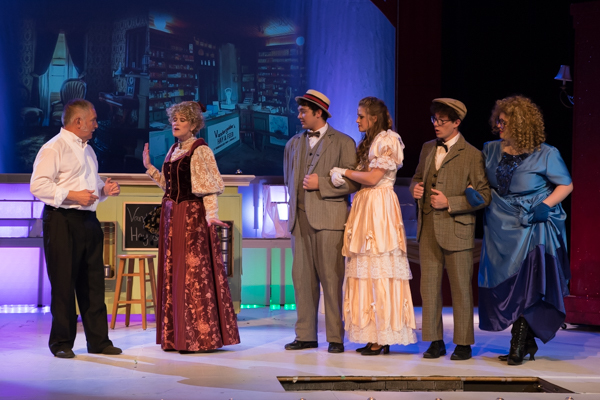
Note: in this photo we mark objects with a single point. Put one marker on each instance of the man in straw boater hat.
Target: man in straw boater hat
(449, 178)
(317, 214)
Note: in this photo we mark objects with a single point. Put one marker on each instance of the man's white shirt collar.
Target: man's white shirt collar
(71, 137)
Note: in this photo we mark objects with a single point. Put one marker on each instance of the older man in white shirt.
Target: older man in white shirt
(65, 177)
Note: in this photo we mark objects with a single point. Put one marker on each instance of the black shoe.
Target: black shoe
(370, 352)
(111, 350)
(360, 349)
(65, 354)
(461, 352)
(530, 347)
(521, 343)
(336, 347)
(436, 349)
(300, 345)
(530, 350)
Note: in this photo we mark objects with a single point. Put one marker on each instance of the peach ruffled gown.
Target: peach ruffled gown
(378, 305)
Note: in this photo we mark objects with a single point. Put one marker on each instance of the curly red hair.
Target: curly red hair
(525, 122)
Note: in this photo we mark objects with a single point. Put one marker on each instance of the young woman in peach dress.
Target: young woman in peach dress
(378, 308)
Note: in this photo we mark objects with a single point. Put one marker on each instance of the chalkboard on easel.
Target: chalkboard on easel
(135, 237)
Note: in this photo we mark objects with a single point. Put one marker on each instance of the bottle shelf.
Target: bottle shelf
(175, 62)
(279, 71)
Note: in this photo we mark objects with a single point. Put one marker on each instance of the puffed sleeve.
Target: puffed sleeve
(387, 151)
(206, 180)
(157, 176)
(556, 169)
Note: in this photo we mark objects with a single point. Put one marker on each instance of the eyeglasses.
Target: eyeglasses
(440, 122)
(501, 122)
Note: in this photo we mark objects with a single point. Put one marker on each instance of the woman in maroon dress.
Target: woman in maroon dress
(194, 308)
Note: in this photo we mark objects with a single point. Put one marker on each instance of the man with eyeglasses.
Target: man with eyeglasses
(449, 178)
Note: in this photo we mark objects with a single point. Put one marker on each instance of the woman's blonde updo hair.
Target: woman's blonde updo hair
(376, 107)
(525, 122)
(190, 110)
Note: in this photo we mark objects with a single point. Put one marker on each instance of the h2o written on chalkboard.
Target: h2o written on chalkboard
(135, 237)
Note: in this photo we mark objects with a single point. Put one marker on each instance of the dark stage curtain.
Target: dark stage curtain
(76, 45)
(9, 105)
(45, 42)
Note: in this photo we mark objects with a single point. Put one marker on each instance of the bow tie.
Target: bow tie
(442, 144)
(310, 133)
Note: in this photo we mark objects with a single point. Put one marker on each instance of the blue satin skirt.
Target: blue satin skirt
(524, 267)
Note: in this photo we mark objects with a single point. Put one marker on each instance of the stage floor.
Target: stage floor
(249, 370)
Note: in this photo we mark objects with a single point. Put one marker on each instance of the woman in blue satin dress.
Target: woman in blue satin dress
(524, 267)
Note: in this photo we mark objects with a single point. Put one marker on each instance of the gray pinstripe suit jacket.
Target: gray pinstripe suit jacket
(326, 208)
(462, 166)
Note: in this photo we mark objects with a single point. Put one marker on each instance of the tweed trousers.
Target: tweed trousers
(459, 266)
(317, 259)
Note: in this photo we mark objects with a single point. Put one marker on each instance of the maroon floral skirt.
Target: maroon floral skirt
(194, 307)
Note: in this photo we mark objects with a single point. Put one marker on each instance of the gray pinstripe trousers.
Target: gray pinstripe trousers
(317, 259)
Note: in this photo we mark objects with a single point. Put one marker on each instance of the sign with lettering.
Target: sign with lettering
(223, 134)
(135, 236)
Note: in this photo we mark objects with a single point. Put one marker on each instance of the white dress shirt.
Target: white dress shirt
(315, 139)
(63, 164)
(441, 153)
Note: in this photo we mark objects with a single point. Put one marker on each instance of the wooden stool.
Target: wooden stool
(141, 274)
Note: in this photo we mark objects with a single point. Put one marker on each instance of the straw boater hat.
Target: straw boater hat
(458, 106)
(317, 98)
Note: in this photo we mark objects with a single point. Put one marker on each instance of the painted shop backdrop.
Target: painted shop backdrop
(245, 60)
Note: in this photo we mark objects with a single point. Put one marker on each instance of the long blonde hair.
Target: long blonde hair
(375, 107)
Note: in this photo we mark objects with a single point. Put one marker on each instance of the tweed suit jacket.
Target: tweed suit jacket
(462, 166)
(327, 207)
